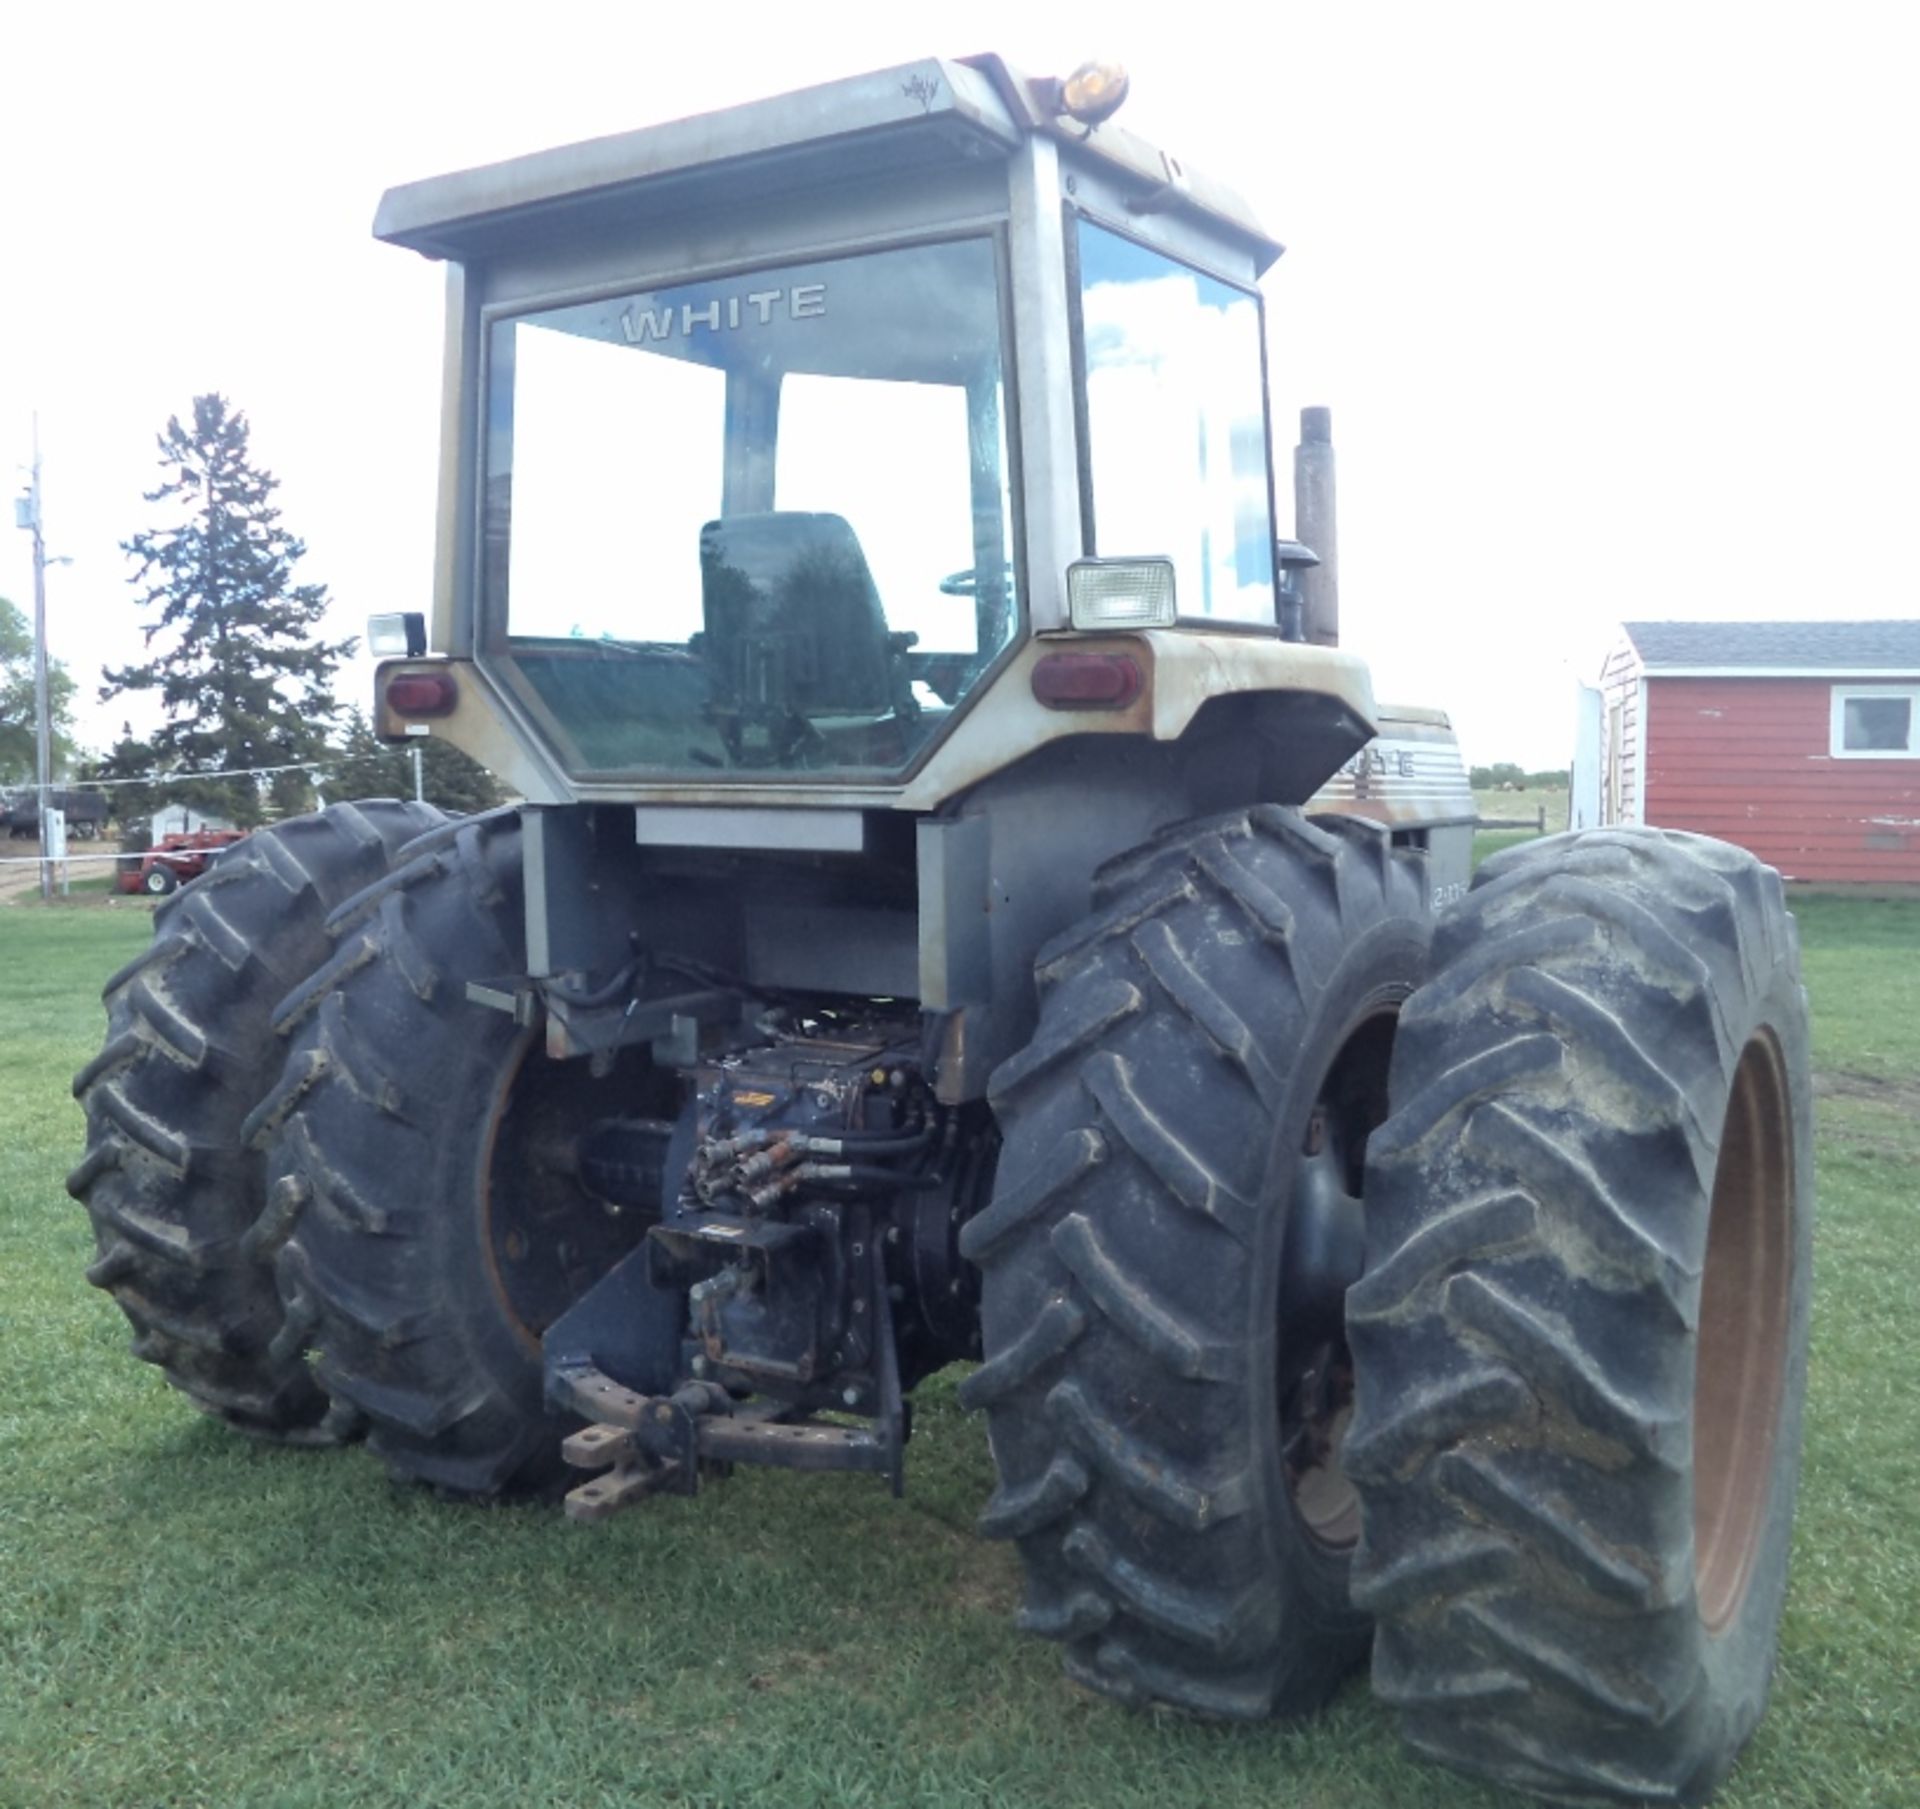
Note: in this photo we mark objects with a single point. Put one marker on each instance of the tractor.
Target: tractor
(180, 855)
(918, 943)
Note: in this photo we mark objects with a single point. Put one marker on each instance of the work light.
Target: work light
(397, 636)
(1120, 593)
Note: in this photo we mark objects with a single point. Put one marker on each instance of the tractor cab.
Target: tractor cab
(777, 437)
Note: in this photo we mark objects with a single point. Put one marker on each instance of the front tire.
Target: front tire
(1581, 1340)
(1210, 1058)
(159, 882)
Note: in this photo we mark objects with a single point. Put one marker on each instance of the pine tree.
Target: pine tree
(366, 767)
(134, 805)
(242, 680)
(454, 781)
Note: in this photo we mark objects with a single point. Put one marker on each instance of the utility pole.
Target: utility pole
(27, 515)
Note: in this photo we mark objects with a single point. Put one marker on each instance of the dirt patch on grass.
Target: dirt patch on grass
(1869, 1114)
(21, 886)
(19, 881)
(1842, 1083)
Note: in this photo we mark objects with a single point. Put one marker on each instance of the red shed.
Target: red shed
(1797, 740)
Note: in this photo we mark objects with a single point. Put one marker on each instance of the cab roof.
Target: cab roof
(919, 114)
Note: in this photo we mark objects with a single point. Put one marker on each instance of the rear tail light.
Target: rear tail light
(1087, 681)
(411, 695)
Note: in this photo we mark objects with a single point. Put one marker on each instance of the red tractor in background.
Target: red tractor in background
(173, 860)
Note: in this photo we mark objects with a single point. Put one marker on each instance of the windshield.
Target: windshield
(1176, 424)
(756, 522)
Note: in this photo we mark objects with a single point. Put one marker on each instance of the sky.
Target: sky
(1617, 306)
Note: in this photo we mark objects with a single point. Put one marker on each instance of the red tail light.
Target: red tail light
(1086, 681)
(415, 694)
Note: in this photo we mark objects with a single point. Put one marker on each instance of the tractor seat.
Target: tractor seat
(793, 621)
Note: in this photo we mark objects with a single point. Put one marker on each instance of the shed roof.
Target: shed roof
(1778, 647)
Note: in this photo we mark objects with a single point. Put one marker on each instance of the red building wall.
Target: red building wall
(1747, 759)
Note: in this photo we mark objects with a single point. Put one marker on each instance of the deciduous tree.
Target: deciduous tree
(18, 764)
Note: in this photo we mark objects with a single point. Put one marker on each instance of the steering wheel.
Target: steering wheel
(966, 583)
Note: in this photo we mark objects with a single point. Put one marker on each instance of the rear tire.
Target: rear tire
(172, 1190)
(1581, 1340)
(423, 1301)
(1139, 1379)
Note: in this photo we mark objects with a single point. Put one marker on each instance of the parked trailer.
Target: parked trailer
(87, 812)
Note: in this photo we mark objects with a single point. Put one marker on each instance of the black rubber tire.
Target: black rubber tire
(173, 1192)
(159, 882)
(1132, 1251)
(1614, 1028)
(377, 1136)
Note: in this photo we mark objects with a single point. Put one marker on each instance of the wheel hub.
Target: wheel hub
(1326, 1249)
(1324, 1255)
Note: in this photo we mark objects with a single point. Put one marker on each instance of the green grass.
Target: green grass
(1519, 804)
(187, 1618)
(1487, 842)
(1512, 806)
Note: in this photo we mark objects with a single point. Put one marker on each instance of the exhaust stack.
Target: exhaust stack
(1313, 523)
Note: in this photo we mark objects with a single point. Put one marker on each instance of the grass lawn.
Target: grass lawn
(1517, 805)
(187, 1618)
(1514, 806)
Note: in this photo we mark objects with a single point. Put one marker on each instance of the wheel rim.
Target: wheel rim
(1316, 1389)
(546, 1239)
(1325, 1501)
(1740, 1362)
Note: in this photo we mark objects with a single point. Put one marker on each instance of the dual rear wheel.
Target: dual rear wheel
(1544, 1465)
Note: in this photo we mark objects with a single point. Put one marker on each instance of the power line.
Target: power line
(228, 772)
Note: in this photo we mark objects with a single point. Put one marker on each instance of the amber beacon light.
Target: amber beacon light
(1093, 93)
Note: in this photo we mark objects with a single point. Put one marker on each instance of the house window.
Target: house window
(1876, 722)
